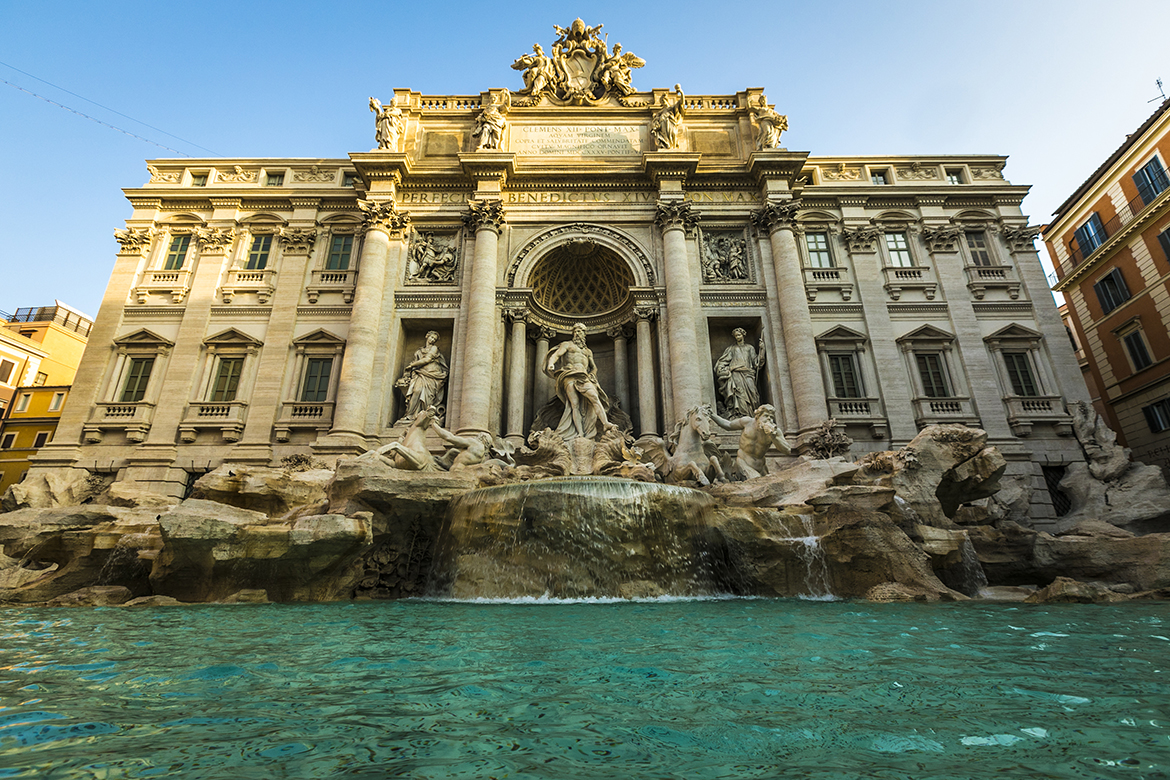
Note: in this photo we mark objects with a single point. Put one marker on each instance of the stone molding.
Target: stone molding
(134, 240)
(214, 240)
(542, 243)
(942, 239)
(861, 239)
(1020, 239)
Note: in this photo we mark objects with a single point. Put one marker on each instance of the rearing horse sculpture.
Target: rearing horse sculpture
(687, 453)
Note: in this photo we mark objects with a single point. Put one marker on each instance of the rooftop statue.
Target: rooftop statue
(489, 128)
(771, 124)
(388, 124)
(580, 70)
(667, 127)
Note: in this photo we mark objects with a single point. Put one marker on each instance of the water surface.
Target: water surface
(685, 689)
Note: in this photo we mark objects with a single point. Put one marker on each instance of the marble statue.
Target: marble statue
(759, 433)
(424, 380)
(614, 73)
(489, 128)
(539, 73)
(735, 374)
(577, 387)
(466, 451)
(771, 125)
(388, 124)
(667, 127)
(410, 452)
(578, 71)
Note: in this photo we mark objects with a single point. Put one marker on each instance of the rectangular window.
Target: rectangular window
(41, 440)
(846, 382)
(955, 175)
(1164, 242)
(177, 254)
(227, 379)
(1019, 370)
(6, 367)
(40, 379)
(1111, 290)
(347, 179)
(1151, 180)
(22, 402)
(199, 180)
(934, 379)
(1135, 345)
(899, 249)
(339, 251)
(879, 177)
(274, 179)
(57, 402)
(258, 255)
(316, 387)
(818, 250)
(137, 377)
(1090, 235)
(977, 247)
(8, 441)
(1158, 415)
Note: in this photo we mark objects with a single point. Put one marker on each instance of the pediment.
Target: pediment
(143, 338)
(1014, 331)
(319, 338)
(232, 337)
(842, 333)
(927, 333)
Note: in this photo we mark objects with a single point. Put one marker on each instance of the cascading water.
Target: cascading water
(813, 555)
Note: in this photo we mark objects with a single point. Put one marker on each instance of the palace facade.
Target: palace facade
(264, 307)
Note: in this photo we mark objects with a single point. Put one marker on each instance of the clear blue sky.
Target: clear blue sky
(1054, 84)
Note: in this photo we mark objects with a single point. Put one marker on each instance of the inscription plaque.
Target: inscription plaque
(579, 140)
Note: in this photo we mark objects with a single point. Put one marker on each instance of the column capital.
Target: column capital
(485, 215)
(134, 241)
(777, 215)
(618, 332)
(1020, 239)
(861, 239)
(384, 216)
(676, 214)
(517, 314)
(297, 240)
(214, 240)
(647, 313)
(942, 239)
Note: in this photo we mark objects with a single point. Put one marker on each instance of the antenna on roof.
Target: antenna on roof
(1160, 92)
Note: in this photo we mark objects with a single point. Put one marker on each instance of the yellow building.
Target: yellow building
(28, 425)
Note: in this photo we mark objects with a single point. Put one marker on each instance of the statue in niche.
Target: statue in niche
(614, 73)
(725, 257)
(489, 128)
(666, 128)
(424, 380)
(576, 381)
(759, 433)
(735, 374)
(771, 125)
(539, 73)
(431, 260)
(388, 124)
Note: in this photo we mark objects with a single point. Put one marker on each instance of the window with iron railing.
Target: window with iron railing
(1151, 181)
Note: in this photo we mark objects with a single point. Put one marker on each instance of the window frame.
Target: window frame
(142, 383)
(175, 257)
(848, 360)
(880, 177)
(324, 392)
(259, 252)
(7, 367)
(921, 356)
(974, 253)
(1158, 414)
(1151, 180)
(1091, 231)
(1022, 376)
(1134, 344)
(38, 442)
(226, 384)
(22, 403)
(892, 251)
(1111, 290)
(274, 179)
(954, 175)
(333, 252)
(57, 402)
(8, 441)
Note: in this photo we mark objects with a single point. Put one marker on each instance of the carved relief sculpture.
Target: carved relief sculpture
(724, 257)
(238, 175)
(489, 128)
(771, 124)
(424, 380)
(432, 260)
(388, 124)
(666, 128)
(614, 74)
(735, 375)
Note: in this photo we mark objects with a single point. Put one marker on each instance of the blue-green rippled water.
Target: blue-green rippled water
(668, 689)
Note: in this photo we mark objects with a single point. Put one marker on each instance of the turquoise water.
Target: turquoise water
(683, 689)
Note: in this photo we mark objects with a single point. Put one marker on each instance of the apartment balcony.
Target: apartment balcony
(860, 411)
(131, 418)
(1136, 208)
(303, 415)
(939, 411)
(817, 279)
(1026, 411)
(261, 282)
(332, 281)
(900, 279)
(226, 416)
(173, 283)
(981, 278)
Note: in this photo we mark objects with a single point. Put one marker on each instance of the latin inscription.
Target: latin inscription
(579, 140)
(580, 196)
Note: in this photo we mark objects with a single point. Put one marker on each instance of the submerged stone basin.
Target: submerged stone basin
(575, 537)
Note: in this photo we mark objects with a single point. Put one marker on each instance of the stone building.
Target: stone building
(264, 307)
(1110, 245)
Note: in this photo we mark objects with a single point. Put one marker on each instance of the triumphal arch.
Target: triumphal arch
(567, 252)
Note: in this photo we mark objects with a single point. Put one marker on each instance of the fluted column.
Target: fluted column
(621, 379)
(647, 404)
(676, 218)
(383, 221)
(803, 367)
(486, 218)
(542, 383)
(517, 373)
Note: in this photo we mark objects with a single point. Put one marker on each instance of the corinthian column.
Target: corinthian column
(517, 373)
(383, 222)
(486, 218)
(675, 218)
(621, 374)
(647, 405)
(803, 366)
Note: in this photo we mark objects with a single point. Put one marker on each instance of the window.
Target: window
(1151, 180)
(340, 250)
(22, 402)
(258, 255)
(6, 367)
(177, 254)
(1019, 369)
(57, 402)
(1164, 241)
(42, 439)
(348, 178)
(8, 441)
(1158, 415)
(846, 380)
(1111, 290)
(818, 250)
(1135, 345)
(316, 385)
(41, 379)
(955, 175)
(137, 378)
(274, 179)
(199, 180)
(227, 379)
(1090, 235)
(880, 178)
(977, 247)
(899, 248)
(934, 379)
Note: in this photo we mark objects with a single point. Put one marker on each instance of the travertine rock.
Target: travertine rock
(94, 596)
(1137, 499)
(52, 488)
(274, 492)
(1065, 589)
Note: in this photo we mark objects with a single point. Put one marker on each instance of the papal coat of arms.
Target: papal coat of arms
(580, 71)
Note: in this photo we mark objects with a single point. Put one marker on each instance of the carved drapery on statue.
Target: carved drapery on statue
(725, 256)
(736, 374)
(580, 70)
(667, 128)
(388, 124)
(424, 380)
(770, 125)
(581, 408)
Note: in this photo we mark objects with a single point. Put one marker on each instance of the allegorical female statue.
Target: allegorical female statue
(424, 381)
(735, 374)
(388, 124)
(666, 128)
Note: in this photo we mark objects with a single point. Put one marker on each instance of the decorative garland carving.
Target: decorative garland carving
(316, 174)
(384, 215)
(156, 175)
(676, 214)
(485, 214)
(238, 175)
(915, 172)
(628, 247)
